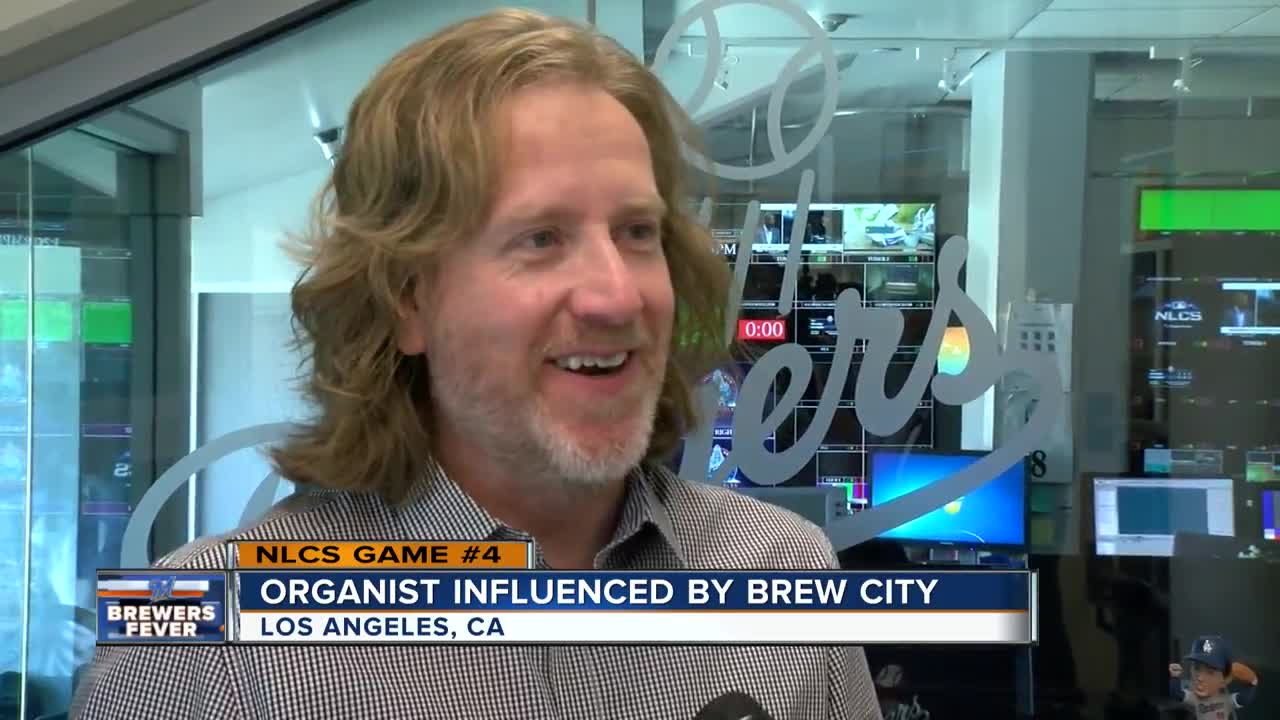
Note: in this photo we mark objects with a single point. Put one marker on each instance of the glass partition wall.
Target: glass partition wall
(88, 250)
(15, 392)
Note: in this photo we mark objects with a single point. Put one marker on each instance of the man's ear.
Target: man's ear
(411, 325)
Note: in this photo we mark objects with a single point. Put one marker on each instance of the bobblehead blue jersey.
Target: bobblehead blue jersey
(1219, 707)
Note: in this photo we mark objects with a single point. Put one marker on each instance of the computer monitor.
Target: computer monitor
(1141, 516)
(1270, 521)
(993, 516)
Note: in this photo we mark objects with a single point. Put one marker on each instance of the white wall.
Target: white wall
(237, 246)
(246, 377)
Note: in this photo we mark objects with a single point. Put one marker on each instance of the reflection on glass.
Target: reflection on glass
(80, 364)
(15, 367)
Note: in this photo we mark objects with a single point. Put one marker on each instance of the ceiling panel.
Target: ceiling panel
(37, 34)
(1111, 23)
(1266, 24)
(260, 111)
(935, 19)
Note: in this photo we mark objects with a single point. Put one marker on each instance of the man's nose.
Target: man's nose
(605, 289)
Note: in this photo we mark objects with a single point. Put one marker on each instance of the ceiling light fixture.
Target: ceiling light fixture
(727, 60)
(1182, 83)
(832, 22)
(330, 142)
(949, 82)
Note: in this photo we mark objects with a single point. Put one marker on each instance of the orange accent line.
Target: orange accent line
(146, 594)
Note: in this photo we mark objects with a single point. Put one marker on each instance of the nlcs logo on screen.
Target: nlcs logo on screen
(1179, 311)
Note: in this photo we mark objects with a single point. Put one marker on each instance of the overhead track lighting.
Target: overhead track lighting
(1182, 83)
(951, 81)
(727, 60)
(832, 22)
(330, 142)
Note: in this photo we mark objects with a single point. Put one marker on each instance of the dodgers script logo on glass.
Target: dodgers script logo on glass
(880, 327)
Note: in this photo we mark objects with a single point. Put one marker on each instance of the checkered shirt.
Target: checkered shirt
(666, 523)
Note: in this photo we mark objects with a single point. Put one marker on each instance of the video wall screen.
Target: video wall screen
(885, 251)
(1270, 515)
(1205, 347)
(1142, 516)
(82, 376)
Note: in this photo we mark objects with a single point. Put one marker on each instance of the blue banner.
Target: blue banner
(711, 591)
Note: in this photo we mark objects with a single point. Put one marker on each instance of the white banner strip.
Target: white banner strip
(1250, 330)
(635, 627)
(136, 585)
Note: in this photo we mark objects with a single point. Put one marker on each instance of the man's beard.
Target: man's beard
(523, 434)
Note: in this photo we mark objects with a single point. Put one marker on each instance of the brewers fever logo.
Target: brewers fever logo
(152, 607)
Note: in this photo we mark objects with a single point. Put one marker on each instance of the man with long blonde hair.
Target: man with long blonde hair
(505, 310)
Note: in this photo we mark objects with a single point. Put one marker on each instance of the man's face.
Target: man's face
(547, 331)
(1207, 681)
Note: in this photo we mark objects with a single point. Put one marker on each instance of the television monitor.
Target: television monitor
(1262, 466)
(994, 515)
(879, 227)
(885, 251)
(1181, 461)
(1270, 521)
(1141, 516)
(1250, 308)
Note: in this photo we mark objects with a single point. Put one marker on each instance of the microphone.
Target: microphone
(733, 706)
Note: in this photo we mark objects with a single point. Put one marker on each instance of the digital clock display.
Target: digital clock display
(762, 330)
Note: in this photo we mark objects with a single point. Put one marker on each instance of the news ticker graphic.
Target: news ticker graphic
(140, 607)
(467, 555)
(475, 592)
(548, 607)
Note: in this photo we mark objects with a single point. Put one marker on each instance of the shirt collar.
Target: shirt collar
(440, 510)
(645, 508)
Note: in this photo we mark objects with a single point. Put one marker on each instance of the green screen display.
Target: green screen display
(102, 323)
(1215, 210)
(107, 323)
(53, 321)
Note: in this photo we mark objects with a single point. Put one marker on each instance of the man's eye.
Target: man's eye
(642, 231)
(541, 239)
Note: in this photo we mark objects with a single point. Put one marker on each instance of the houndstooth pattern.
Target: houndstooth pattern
(666, 523)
